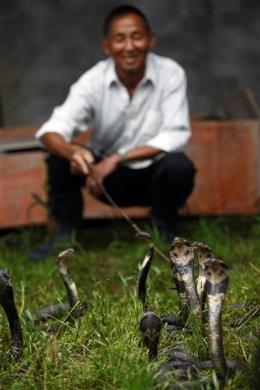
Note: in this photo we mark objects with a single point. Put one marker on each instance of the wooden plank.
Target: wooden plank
(227, 183)
(19, 145)
(21, 174)
(226, 156)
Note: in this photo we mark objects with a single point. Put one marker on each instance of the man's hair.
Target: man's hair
(123, 10)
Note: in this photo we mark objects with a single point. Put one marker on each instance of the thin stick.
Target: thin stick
(140, 233)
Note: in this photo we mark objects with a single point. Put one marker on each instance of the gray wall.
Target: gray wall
(45, 45)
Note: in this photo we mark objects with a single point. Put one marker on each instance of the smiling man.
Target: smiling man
(135, 103)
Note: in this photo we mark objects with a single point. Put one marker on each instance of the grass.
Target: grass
(102, 350)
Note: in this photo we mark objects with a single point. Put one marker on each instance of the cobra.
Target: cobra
(8, 304)
(143, 273)
(75, 307)
(150, 327)
(217, 278)
(203, 253)
(182, 257)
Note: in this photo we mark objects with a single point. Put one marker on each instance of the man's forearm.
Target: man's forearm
(141, 153)
(56, 144)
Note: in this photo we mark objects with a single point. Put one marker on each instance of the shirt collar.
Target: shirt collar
(150, 72)
(111, 76)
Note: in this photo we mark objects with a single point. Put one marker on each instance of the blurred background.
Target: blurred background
(46, 45)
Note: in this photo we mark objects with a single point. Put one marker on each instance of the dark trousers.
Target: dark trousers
(164, 185)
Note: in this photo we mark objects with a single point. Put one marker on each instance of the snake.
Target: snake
(77, 309)
(150, 326)
(182, 277)
(8, 304)
(213, 282)
(182, 258)
(172, 322)
(180, 357)
(55, 310)
(203, 253)
(180, 287)
(143, 273)
(217, 279)
(74, 306)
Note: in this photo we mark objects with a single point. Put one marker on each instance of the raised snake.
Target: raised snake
(182, 265)
(212, 282)
(74, 308)
(69, 284)
(150, 326)
(203, 253)
(8, 304)
(182, 257)
(143, 273)
(217, 278)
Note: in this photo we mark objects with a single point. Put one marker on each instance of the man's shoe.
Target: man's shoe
(63, 236)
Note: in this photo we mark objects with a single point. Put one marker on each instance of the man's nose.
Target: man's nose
(129, 44)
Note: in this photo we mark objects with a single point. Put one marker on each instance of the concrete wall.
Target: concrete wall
(46, 44)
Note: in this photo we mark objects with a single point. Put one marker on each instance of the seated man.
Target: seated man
(135, 102)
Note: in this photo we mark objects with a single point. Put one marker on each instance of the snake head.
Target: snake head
(203, 252)
(216, 272)
(5, 280)
(150, 321)
(66, 253)
(181, 251)
(150, 327)
(63, 268)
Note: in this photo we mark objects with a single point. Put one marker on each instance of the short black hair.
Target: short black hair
(123, 10)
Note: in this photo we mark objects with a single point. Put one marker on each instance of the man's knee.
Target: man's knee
(59, 173)
(178, 165)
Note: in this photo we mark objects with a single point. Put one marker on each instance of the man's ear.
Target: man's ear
(105, 47)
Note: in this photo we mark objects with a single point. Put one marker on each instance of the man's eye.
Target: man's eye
(137, 36)
(118, 38)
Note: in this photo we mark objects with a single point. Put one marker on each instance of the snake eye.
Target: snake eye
(175, 254)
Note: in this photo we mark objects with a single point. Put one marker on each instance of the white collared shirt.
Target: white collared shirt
(156, 115)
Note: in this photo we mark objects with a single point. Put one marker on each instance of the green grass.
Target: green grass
(102, 350)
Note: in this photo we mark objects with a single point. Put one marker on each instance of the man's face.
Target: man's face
(128, 43)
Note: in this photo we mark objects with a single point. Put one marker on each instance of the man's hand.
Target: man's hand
(80, 159)
(77, 155)
(100, 171)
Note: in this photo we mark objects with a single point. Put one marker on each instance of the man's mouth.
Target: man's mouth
(130, 59)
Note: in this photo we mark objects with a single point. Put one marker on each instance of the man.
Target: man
(135, 102)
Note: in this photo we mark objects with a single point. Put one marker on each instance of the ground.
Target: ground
(102, 350)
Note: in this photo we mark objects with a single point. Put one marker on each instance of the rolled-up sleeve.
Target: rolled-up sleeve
(174, 130)
(73, 115)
